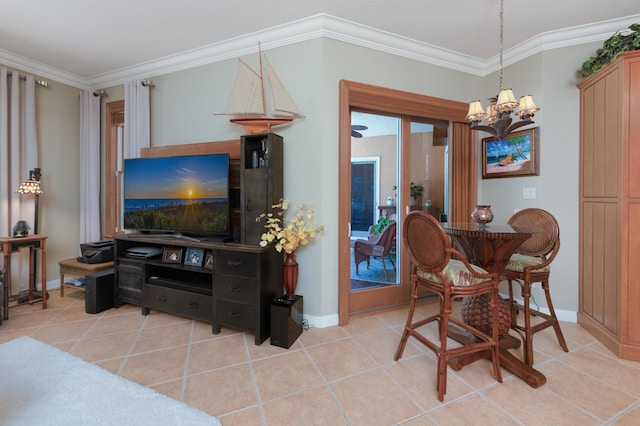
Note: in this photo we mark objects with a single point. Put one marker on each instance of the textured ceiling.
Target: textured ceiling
(86, 40)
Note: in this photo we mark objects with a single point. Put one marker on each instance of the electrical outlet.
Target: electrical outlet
(528, 193)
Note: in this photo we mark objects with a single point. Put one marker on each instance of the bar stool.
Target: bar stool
(529, 265)
(435, 268)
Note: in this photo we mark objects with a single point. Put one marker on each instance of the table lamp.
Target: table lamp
(32, 186)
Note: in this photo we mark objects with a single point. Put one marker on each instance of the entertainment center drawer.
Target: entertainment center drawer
(179, 302)
(235, 263)
(236, 288)
(237, 315)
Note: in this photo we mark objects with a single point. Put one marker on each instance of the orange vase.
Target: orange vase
(290, 275)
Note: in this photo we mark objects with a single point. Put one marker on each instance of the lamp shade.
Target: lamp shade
(492, 115)
(30, 186)
(476, 112)
(506, 100)
(527, 106)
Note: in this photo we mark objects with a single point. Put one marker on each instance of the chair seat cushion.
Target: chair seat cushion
(457, 274)
(518, 262)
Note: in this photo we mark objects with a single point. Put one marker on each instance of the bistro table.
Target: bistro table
(490, 247)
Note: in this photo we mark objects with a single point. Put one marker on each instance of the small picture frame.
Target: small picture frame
(208, 260)
(194, 257)
(171, 255)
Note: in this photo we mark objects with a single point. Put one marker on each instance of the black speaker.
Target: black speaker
(286, 321)
(99, 291)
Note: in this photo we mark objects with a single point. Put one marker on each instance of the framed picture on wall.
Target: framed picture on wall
(517, 154)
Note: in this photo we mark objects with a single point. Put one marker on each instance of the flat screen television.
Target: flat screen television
(180, 195)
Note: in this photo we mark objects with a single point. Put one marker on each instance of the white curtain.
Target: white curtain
(18, 155)
(137, 127)
(89, 167)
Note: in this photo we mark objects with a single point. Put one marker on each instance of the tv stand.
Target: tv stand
(236, 293)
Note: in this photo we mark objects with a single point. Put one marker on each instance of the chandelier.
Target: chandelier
(498, 115)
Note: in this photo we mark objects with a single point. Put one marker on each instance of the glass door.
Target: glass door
(400, 165)
(459, 198)
(373, 222)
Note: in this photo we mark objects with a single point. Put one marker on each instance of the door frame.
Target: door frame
(463, 165)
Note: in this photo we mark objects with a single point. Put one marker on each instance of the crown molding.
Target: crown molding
(41, 70)
(323, 25)
(598, 31)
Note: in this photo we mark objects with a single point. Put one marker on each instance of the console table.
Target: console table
(13, 245)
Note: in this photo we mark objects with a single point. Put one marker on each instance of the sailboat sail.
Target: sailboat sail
(247, 99)
(282, 104)
(246, 95)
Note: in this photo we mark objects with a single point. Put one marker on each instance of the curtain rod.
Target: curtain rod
(102, 92)
(43, 83)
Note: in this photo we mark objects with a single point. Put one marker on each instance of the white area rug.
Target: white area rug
(42, 385)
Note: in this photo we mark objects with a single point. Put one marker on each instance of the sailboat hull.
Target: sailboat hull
(260, 124)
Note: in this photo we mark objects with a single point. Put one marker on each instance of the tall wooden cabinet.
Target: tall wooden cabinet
(261, 181)
(610, 205)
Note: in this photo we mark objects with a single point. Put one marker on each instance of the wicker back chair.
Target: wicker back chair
(441, 269)
(529, 265)
(380, 245)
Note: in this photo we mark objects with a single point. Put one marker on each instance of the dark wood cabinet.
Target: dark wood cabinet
(261, 174)
(129, 276)
(237, 292)
(244, 285)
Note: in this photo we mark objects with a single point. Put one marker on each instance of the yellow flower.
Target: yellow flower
(289, 233)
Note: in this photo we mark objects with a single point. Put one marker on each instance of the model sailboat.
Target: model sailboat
(248, 99)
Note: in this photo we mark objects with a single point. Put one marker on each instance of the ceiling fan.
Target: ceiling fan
(355, 128)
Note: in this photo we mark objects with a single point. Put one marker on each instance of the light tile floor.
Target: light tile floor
(337, 375)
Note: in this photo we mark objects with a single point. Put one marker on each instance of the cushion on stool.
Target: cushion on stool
(457, 274)
(518, 262)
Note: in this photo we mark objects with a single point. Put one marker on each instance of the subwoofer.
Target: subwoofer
(99, 291)
(286, 321)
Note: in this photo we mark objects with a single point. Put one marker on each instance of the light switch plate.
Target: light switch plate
(528, 193)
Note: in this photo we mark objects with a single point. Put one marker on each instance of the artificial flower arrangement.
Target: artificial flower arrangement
(289, 232)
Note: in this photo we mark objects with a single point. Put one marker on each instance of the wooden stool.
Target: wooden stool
(78, 269)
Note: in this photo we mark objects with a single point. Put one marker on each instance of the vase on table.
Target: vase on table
(482, 215)
(290, 275)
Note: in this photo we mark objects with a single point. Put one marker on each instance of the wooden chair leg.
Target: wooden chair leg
(556, 324)
(514, 310)
(528, 336)
(495, 334)
(408, 327)
(442, 360)
(384, 266)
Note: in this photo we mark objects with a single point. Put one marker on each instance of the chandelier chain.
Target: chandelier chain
(501, 40)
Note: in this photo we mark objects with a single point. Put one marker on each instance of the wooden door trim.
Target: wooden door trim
(381, 99)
